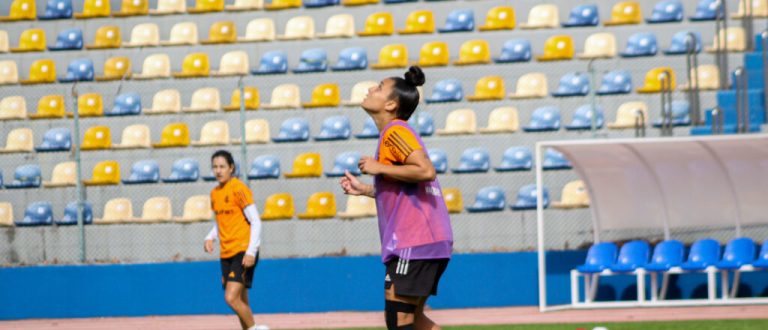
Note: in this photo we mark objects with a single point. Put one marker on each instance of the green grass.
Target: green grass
(663, 325)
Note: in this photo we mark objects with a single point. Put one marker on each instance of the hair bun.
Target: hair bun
(415, 76)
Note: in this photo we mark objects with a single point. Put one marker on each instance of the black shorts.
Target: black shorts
(232, 270)
(414, 278)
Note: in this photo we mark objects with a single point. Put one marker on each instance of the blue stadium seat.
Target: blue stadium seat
(293, 130)
(446, 90)
(25, 176)
(543, 119)
(474, 160)
(707, 10)
(126, 104)
(69, 39)
(583, 15)
(184, 170)
(439, 160)
(37, 214)
(762, 258)
(265, 167)
(489, 199)
(353, 58)
(599, 257)
(679, 44)
(211, 177)
(616, 82)
(514, 50)
(335, 128)
(526, 198)
(319, 3)
(79, 70)
(273, 62)
(70, 214)
(57, 9)
(312, 60)
(572, 84)
(582, 118)
(666, 11)
(704, 253)
(370, 131)
(516, 159)
(459, 20)
(666, 255)
(640, 44)
(633, 255)
(680, 114)
(144, 171)
(345, 161)
(738, 252)
(555, 160)
(423, 123)
(398, 1)
(56, 139)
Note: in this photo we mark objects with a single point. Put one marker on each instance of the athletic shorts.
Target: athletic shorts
(232, 270)
(415, 278)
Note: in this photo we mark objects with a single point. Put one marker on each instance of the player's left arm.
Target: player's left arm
(416, 168)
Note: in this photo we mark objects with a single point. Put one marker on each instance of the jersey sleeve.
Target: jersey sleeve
(399, 143)
(243, 196)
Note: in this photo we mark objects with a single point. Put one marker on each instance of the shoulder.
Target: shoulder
(400, 131)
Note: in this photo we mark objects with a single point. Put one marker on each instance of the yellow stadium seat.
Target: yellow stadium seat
(259, 29)
(434, 53)
(282, 4)
(474, 52)
(599, 45)
(359, 207)
(224, 32)
(339, 26)
(557, 48)
(499, 18)
(358, 2)
(630, 114)
(502, 120)
(21, 10)
(297, 28)
(169, 7)
(156, 209)
(19, 140)
(378, 24)
(64, 175)
(419, 22)
(284, 96)
(531, 86)
(243, 5)
(734, 40)
(116, 68)
(196, 208)
(105, 173)
(116, 210)
(41, 72)
(107, 37)
(544, 16)
(574, 196)
(251, 99)
(135, 136)
(461, 121)
(164, 102)
(213, 133)
(320, 205)
(306, 165)
(13, 107)
(156, 66)
(144, 35)
(359, 91)
(256, 131)
(6, 214)
(625, 13)
(49, 107)
(4, 44)
(708, 78)
(97, 138)
(205, 99)
(759, 9)
(392, 56)
(31, 40)
(488, 88)
(206, 6)
(654, 80)
(173, 135)
(324, 95)
(278, 207)
(183, 33)
(9, 73)
(234, 63)
(453, 201)
(133, 8)
(94, 9)
(195, 65)
(89, 105)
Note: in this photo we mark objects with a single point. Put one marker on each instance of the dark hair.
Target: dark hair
(226, 155)
(404, 90)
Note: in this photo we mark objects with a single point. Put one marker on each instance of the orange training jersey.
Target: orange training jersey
(228, 203)
(397, 144)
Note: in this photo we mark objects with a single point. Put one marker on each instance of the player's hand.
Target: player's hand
(208, 247)
(369, 165)
(249, 261)
(351, 185)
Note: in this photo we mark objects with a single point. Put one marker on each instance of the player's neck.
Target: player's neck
(382, 119)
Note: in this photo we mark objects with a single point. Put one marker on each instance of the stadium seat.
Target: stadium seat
(703, 253)
(583, 15)
(49, 107)
(56, 139)
(272, 62)
(708, 78)
(629, 115)
(285, 96)
(41, 72)
(259, 29)
(116, 68)
(358, 2)
(599, 45)
(251, 99)
(126, 104)
(654, 80)
(94, 9)
(97, 138)
(182, 33)
(6, 214)
(422, 123)
(459, 20)
(156, 66)
(345, 161)
(320, 3)
(680, 114)
(245, 5)
(434, 53)
(164, 102)
(21, 10)
(144, 171)
(339, 26)
(734, 40)
(474, 52)
(256, 131)
(107, 37)
(324, 95)
(707, 10)
(582, 118)
(502, 120)
(419, 22)
(206, 6)
(184, 170)
(531, 85)
(169, 7)
(488, 88)
(544, 16)
(499, 18)
(666, 254)
(453, 200)
(173, 135)
(278, 207)
(320, 205)
(204, 99)
(544, 119)
(116, 210)
(299, 28)
(514, 50)
(37, 214)
(633, 255)
(79, 70)
(9, 73)
(306, 165)
(527, 200)
(680, 43)
(134, 136)
(572, 84)
(615, 82)
(358, 93)
(738, 252)
(312, 60)
(132, 8)
(195, 65)
(69, 39)
(762, 258)
(640, 44)
(557, 48)
(282, 4)
(439, 160)
(461, 121)
(19, 140)
(293, 130)
(89, 105)
(4, 45)
(515, 159)
(222, 32)
(666, 11)
(759, 9)
(378, 24)
(600, 257)
(369, 131)
(574, 195)
(489, 199)
(555, 160)
(335, 128)
(392, 56)
(213, 133)
(13, 107)
(359, 207)
(625, 13)
(156, 209)
(446, 90)
(196, 209)
(473, 160)
(25, 176)
(57, 9)
(31, 40)
(104, 173)
(352, 58)
(264, 167)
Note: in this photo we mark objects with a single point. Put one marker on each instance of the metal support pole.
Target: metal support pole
(79, 173)
(592, 92)
(692, 62)
(243, 149)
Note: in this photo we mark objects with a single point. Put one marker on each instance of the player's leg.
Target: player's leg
(399, 311)
(233, 296)
(422, 321)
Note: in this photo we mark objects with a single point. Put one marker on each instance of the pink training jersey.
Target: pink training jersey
(413, 219)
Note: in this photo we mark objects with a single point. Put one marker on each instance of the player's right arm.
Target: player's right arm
(353, 186)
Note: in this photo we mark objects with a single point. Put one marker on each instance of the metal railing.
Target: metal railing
(666, 104)
(721, 46)
(742, 101)
(717, 121)
(692, 65)
(747, 23)
(592, 92)
(639, 123)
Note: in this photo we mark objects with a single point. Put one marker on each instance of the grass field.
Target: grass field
(676, 325)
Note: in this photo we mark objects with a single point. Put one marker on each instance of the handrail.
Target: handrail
(639, 123)
(592, 93)
(747, 22)
(721, 46)
(666, 104)
(692, 63)
(717, 120)
(742, 101)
